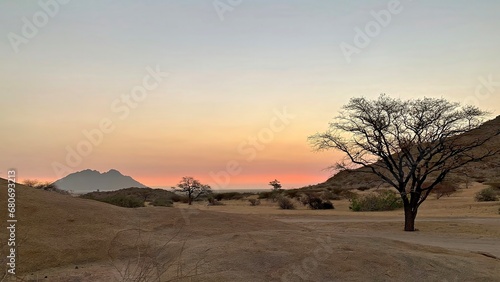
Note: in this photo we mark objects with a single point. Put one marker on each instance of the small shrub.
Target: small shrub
(254, 202)
(363, 188)
(444, 189)
(264, 195)
(162, 202)
(176, 198)
(212, 201)
(272, 195)
(316, 203)
(123, 201)
(327, 195)
(487, 195)
(495, 185)
(292, 193)
(383, 201)
(47, 186)
(230, 196)
(480, 179)
(285, 203)
(346, 194)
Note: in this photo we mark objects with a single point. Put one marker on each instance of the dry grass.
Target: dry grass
(238, 242)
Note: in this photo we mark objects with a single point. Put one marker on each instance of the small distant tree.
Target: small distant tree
(276, 185)
(193, 188)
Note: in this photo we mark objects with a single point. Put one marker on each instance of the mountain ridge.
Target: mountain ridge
(90, 180)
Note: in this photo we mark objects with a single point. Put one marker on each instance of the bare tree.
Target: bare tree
(193, 188)
(407, 143)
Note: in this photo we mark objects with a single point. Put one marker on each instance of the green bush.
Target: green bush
(487, 195)
(285, 203)
(162, 202)
(123, 201)
(382, 201)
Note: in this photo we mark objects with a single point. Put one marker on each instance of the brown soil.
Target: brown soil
(71, 239)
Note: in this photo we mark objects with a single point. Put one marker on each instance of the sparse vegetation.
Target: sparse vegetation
(254, 202)
(316, 203)
(382, 201)
(285, 203)
(444, 189)
(487, 195)
(272, 195)
(264, 195)
(495, 184)
(123, 201)
(212, 201)
(193, 188)
(225, 196)
(47, 186)
(135, 197)
(162, 202)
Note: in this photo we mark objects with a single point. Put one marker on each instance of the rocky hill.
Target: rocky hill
(479, 172)
(92, 180)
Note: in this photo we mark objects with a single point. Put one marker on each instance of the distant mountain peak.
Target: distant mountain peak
(114, 171)
(90, 180)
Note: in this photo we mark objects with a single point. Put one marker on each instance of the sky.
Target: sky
(226, 91)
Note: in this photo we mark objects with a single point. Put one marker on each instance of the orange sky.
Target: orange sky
(180, 91)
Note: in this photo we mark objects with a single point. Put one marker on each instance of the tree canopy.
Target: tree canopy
(407, 143)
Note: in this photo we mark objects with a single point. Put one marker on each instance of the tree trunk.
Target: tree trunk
(189, 198)
(410, 216)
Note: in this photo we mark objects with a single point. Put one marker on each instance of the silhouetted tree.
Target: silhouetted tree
(193, 188)
(407, 143)
(276, 185)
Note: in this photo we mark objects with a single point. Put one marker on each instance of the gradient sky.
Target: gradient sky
(227, 77)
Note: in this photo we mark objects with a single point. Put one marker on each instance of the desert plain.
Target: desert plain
(65, 238)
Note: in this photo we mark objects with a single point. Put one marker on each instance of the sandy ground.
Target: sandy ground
(69, 239)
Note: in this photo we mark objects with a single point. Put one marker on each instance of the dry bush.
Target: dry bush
(285, 203)
(315, 202)
(214, 202)
(137, 257)
(47, 186)
(162, 202)
(231, 196)
(254, 202)
(363, 188)
(487, 195)
(444, 189)
(495, 184)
